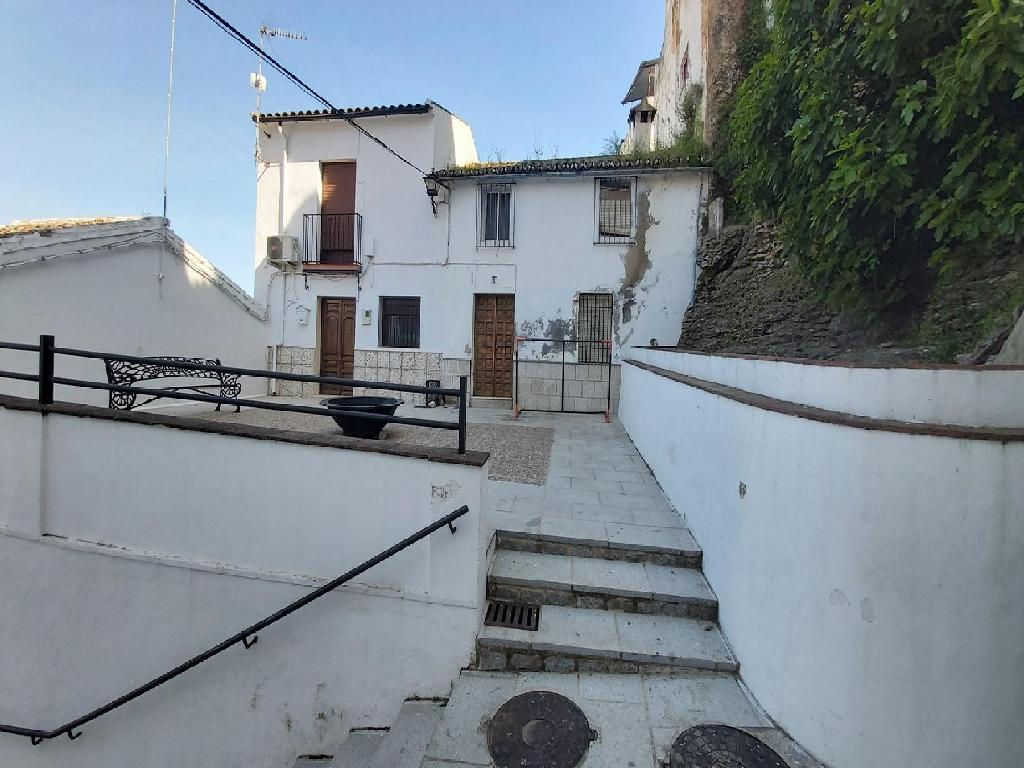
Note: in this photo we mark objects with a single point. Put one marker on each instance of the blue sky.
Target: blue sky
(85, 84)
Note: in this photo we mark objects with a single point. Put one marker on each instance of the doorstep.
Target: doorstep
(475, 401)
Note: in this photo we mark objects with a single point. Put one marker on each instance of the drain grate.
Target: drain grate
(514, 615)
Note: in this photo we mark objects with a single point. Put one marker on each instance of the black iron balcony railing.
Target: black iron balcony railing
(332, 240)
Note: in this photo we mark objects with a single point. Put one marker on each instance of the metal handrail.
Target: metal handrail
(46, 379)
(247, 637)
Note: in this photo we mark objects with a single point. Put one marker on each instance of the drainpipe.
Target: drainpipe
(281, 186)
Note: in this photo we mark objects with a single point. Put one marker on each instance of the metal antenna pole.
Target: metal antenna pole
(167, 150)
(257, 80)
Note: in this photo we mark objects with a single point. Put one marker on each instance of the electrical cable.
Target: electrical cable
(225, 25)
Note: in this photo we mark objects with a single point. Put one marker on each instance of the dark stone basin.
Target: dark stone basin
(355, 426)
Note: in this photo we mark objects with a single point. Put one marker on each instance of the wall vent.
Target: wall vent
(514, 615)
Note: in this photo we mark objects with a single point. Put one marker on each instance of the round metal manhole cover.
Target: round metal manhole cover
(539, 729)
(721, 746)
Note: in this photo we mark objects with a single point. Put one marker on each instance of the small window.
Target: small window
(615, 210)
(593, 327)
(496, 214)
(400, 321)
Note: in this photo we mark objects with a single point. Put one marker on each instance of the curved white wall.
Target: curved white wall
(979, 396)
(869, 581)
(127, 548)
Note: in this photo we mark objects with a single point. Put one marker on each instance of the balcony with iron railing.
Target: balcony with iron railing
(332, 242)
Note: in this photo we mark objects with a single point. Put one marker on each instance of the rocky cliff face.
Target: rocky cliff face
(751, 300)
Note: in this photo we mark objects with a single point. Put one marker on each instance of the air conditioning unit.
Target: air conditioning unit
(283, 250)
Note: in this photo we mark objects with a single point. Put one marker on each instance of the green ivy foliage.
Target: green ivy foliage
(885, 137)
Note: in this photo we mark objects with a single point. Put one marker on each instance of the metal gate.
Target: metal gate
(589, 352)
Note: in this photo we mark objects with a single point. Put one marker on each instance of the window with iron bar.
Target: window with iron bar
(497, 210)
(400, 321)
(614, 206)
(593, 327)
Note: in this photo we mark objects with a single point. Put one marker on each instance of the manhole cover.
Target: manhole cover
(721, 746)
(539, 729)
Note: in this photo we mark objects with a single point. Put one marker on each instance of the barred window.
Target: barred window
(615, 209)
(593, 327)
(400, 321)
(496, 215)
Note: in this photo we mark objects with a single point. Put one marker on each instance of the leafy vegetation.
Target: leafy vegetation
(886, 138)
(686, 146)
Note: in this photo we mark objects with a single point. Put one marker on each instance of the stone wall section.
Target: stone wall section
(295, 360)
(409, 367)
(586, 386)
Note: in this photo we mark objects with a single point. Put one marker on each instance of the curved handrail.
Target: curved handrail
(246, 637)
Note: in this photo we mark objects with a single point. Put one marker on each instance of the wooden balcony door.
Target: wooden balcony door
(337, 213)
(337, 342)
(494, 331)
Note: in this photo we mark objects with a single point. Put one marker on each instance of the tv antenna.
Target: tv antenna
(258, 81)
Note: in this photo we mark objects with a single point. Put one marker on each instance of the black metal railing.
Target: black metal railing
(332, 239)
(46, 379)
(247, 637)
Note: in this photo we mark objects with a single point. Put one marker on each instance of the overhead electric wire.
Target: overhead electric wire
(224, 24)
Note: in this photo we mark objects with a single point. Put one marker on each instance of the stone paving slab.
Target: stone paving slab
(667, 539)
(691, 643)
(576, 632)
(637, 717)
(651, 538)
(584, 633)
(358, 750)
(410, 735)
(585, 575)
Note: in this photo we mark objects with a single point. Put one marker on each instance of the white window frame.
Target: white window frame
(600, 239)
(495, 187)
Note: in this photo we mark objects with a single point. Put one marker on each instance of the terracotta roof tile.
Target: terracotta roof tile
(566, 165)
(337, 114)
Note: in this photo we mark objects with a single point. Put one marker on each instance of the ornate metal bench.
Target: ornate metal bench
(128, 373)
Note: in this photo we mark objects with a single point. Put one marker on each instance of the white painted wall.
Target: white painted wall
(167, 541)
(683, 33)
(110, 300)
(555, 257)
(869, 582)
(938, 395)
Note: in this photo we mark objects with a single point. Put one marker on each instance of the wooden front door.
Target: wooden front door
(494, 331)
(337, 213)
(337, 342)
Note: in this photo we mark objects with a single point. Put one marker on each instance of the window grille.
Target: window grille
(496, 215)
(615, 210)
(593, 327)
(400, 321)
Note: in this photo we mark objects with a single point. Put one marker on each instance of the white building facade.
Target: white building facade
(390, 283)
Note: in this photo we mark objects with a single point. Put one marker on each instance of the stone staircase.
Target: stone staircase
(638, 602)
(627, 632)
(403, 745)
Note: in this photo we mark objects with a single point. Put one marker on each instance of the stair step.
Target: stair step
(359, 749)
(594, 640)
(585, 582)
(657, 545)
(410, 735)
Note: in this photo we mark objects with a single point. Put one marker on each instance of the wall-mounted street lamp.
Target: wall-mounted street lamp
(434, 186)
